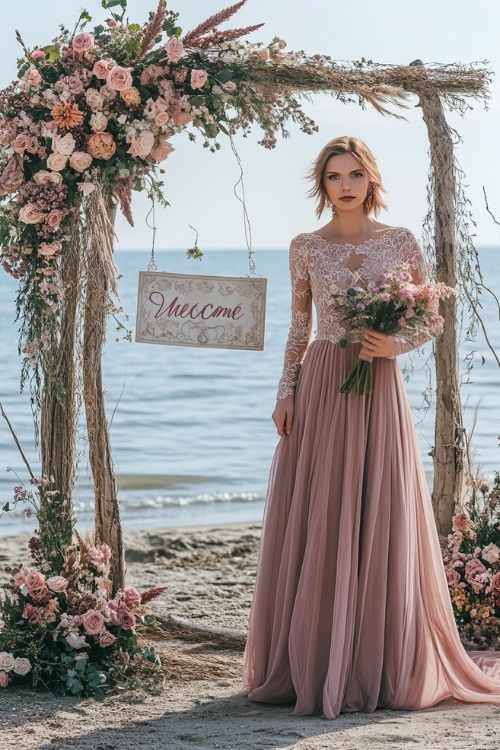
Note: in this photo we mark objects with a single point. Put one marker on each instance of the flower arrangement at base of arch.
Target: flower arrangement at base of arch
(472, 566)
(97, 110)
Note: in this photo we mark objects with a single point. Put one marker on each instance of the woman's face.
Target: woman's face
(346, 182)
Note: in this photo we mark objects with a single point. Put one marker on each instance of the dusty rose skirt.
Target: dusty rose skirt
(351, 609)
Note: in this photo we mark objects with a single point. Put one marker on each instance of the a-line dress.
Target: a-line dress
(351, 609)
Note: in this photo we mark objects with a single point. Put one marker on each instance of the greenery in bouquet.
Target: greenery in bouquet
(472, 565)
(396, 306)
(95, 111)
(60, 628)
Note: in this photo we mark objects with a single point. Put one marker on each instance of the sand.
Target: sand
(210, 572)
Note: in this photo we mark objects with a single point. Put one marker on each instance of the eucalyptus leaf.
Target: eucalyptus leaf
(52, 51)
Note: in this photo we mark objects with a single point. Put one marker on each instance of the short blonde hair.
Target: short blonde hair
(347, 145)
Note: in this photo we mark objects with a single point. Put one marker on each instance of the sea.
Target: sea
(191, 429)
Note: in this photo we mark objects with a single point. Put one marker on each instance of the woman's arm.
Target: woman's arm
(298, 338)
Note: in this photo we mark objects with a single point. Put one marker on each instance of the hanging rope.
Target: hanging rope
(246, 220)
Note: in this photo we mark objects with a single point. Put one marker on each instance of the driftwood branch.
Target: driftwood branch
(18, 444)
(191, 631)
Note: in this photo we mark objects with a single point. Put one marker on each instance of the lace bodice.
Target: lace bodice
(320, 268)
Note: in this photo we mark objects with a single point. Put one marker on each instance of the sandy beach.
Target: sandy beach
(210, 573)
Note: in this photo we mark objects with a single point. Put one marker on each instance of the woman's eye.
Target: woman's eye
(358, 174)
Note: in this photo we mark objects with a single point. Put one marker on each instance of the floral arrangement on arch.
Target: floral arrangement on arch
(98, 110)
(472, 566)
(60, 628)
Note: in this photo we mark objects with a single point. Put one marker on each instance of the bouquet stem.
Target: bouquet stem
(360, 378)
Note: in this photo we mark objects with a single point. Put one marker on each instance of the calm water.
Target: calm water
(190, 428)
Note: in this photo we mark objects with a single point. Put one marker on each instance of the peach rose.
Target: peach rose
(6, 661)
(47, 250)
(4, 679)
(101, 146)
(198, 78)
(174, 49)
(55, 178)
(491, 553)
(461, 522)
(131, 96)
(57, 161)
(142, 144)
(131, 597)
(229, 86)
(107, 92)
(41, 177)
(22, 666)
(100, 554)
(119, 79)
(83, 42)
(80, 161)
(86, 188)
(98, 122)
(63, 144)
(162, 118)
(94, 98)
(93, 622)
(162, 150)
(55, 217)
(100, 69)
(30, 215)
(263, 54)
(452, 577)
(57, 583)
(32, 76)
(180, 117)
(106, 639)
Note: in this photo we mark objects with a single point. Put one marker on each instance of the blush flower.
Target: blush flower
(131, 597)
(56, 161)
(32, 76)
(4, 679)
(80, 161)
(29, 214)
(119, 79)
(161, 150)
(57, 583)
(131, 96)
(174, 49)
(461, 522)
(106, 639)
(83, 42)
(93, 622)
(475, 574)
(6, 661)
(100, 69)
(142, 144)
(452, 577)
(198, 78)
(21, 666)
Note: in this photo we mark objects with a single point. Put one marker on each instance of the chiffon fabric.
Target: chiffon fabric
(351, 609)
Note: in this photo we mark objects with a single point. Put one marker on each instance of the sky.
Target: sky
(199, 185)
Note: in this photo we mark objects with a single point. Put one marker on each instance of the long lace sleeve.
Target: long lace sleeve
(412, 254)
(301, 320)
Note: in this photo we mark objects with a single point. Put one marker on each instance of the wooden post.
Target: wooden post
(448, 449)
(108, 528)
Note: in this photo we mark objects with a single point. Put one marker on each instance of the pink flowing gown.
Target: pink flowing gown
(351, 609)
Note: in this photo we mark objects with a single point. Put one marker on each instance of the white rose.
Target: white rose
(94, 99)
(76, 641)
(22, 666)
(7, 661)
(80, 160)
(98, 122)
(29, 215)
(57, 161)
(63, 144)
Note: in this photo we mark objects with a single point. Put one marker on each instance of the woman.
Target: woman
(351, 609)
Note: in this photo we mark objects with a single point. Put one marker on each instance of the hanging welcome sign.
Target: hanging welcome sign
(216, 312)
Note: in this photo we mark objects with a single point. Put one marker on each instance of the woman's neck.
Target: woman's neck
(350, 224)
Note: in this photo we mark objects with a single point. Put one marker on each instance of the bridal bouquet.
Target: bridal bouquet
(396, 307)
(472, 566)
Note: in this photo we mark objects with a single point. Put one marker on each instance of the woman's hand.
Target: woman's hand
(376, 345)
(283, 415)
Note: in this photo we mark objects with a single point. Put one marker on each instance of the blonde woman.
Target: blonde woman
(351, 609)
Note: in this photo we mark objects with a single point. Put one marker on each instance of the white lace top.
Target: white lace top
(320, 268)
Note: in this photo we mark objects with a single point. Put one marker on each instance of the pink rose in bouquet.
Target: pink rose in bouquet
(131, 597)
(93, 622)
(83, 42)
(174, 49)
(4, 679)
(119, 79)
(198, 78)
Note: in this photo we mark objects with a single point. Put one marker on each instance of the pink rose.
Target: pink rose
(198, 78)
(72, 84)
(106, 639)
(174, 49)
(452, 577)
(113, 611)
(86, 188)
(475, 574)
(21, 143)
(131, 597)
(142, 144)
(56, 583)
(95, 100)
(162, 150)
(47, 250)
(180, 117)
(107, 92)
(55, 217)
(37, 54)
(22, 666)
(98, 122)
(29, 214)
(93, 622)
(40, 593)
(100, 69)
(229, 86)
(126, 618)
(100, 554)
(491, 553)
(494, 587)
(461, 522)
(80, 160)
(6, 661)
(32, 76)
(4, 679)
(83, 42)
(57, 162)
(263, 54)
(161, 118)
(19, 579)
(119, 78)
(63, 144)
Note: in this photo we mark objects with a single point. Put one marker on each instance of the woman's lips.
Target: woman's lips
(348, 198)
